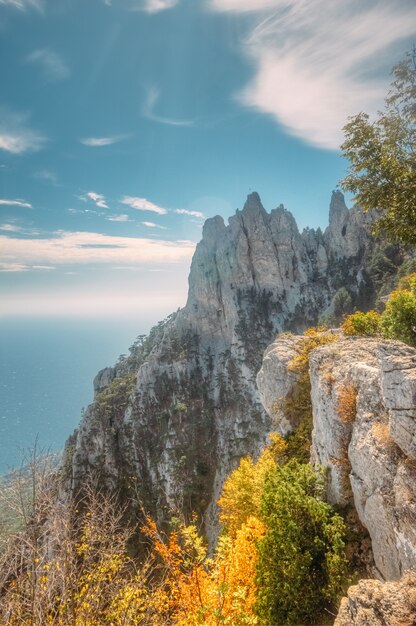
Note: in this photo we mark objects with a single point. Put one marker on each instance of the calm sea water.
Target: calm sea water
(46, 373)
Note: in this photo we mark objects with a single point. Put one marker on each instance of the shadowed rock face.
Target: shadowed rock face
(193, 409)
(363, 395)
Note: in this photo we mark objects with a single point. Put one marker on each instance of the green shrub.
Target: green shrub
(302, 568)
(399, 318)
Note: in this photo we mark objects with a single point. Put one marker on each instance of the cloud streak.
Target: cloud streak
(118, 218)
(147, 6)
(99, 142)
(316, 63)
(148, 111)
(197, 214)
(154, 6)
(17, 203)
(67, 248)
(153, 225)
(141, 204)
(23, 5)
(52, 65)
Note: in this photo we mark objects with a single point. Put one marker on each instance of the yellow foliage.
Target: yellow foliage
(223, 592)
(241, 493)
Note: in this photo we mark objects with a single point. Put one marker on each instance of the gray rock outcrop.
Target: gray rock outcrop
(363, 395)
(372, 603)
(194, 409)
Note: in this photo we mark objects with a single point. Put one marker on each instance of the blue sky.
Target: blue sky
(125, 123)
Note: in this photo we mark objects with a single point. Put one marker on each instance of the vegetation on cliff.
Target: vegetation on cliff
(397, 321)
(73, 562)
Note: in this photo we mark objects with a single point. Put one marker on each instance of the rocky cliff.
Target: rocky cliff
(371, 603)
(172, 419)
(363, 395)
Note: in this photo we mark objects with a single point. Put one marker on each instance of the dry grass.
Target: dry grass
(347, 403)
(381, 432)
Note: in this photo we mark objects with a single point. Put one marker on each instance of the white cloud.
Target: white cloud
(18, 267)
(98, 142)
(192, 213)
(118, 218)
(15, 136)
(18, 203)
(53, 66)
(11, 228)
(316, 63)
(154, 6)
(85, 247)
(153, 225)
(147, 6)
(22, 5)
(13, 267)
(142, 204)
(148, 111)
(246, 6)
(98, 198)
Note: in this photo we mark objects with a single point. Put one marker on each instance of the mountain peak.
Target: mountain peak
(253, 203)
(337, 208)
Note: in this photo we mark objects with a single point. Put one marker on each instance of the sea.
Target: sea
(47, 369)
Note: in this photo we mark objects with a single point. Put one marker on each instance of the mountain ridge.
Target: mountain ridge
(192, 408)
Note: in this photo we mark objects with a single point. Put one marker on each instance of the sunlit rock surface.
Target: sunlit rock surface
(372, 603)
(363, 395)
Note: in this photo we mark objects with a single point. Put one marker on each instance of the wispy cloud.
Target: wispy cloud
(22, 5)
(17, 203)
(142, 204)
(52, 65)
(19, 267)
(15, 135)
(11, 228)
(13, 267)
(192, 213)
(153, 6)
(318, 62)
(118, 218)
(85, 247)
(148, 6)
(148, 111)
(21, 230)
(98, 142)
(245, 6)
(98, 199)
(153, 225)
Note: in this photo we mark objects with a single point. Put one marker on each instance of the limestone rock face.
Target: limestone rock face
(194, 409)
(363, 395)
(372, 603)
(276, 382)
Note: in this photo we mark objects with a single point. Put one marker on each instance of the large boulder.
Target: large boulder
(372, 603)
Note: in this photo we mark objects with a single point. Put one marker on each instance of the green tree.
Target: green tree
(382, 156)
(302, 566)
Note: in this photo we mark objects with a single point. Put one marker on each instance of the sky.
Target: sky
(125, 123)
